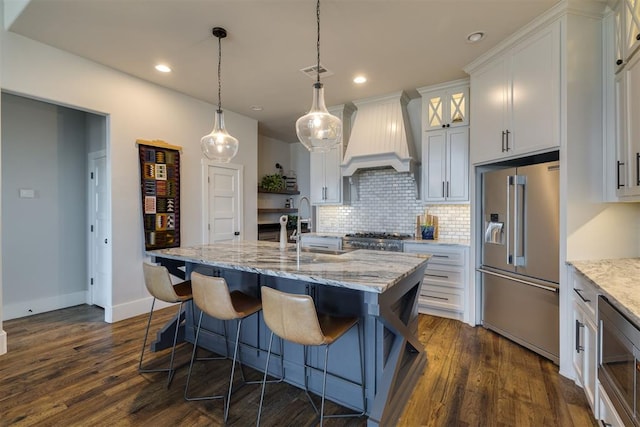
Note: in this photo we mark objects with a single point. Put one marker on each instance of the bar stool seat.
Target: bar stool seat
(158, 283)
(294, 318)
(211, 295)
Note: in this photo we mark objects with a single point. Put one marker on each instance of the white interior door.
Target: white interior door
(99, 225)
(222, 203)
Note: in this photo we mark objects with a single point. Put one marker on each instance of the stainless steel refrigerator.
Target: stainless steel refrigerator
(520, 256)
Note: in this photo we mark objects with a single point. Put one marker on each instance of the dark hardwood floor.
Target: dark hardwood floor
(69, 368)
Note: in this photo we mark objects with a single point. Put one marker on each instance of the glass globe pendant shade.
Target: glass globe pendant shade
(319, 130)
(219, 146)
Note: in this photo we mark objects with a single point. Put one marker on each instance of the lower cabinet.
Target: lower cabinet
(322, 242)
(444, 284)
(585, 348)
(606, 412)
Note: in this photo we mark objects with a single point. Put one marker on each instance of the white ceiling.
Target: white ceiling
(397, 44)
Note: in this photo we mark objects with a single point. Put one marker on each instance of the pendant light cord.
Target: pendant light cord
(318, 42)
(219, 72)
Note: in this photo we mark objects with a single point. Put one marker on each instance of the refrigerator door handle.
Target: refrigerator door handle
(518, 260)
(515, 279)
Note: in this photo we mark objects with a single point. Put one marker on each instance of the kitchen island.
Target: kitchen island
(379, 287)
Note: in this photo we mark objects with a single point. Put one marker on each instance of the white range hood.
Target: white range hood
(380, 136)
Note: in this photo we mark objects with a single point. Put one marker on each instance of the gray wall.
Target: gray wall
(44, 149)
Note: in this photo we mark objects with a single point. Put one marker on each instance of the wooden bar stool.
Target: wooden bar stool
(294, 318)
(212, 296)
(158, 283)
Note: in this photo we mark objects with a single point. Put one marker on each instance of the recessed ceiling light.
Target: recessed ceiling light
(163, 68)
(256, 107)
(360, 79)
(476, 36)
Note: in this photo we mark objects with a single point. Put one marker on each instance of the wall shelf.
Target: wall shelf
(277, 210)
(290, 192)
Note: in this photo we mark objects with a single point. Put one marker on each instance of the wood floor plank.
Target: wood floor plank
(70, 368)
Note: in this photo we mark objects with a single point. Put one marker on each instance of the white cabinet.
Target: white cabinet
(321, 242)
(445, 142)
(627, 30)
(326, 177)
(585, 349)
(622, 149)
(607, 413)
(445, 170)
(445, 105)
(444, 284)
(327, 186)
(627, 92)
(516, 99)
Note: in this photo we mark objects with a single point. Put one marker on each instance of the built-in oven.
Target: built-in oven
(619, 361)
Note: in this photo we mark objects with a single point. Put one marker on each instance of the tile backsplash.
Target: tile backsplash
(386, 200)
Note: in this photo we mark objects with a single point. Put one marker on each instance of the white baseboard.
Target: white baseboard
(129, 309)
(3, 342)
(42, 305)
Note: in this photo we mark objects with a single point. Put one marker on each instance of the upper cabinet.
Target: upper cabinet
(516, 99)
(624, 170)
(445, 142)
(627, 93)
(327, 186)
(627, 30)
(445, 106)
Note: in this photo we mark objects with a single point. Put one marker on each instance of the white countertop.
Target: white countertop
(364, 270)
(618, 280)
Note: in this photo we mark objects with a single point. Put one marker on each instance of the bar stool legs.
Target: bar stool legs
(193, 357)
(170, 369)
(324, 381)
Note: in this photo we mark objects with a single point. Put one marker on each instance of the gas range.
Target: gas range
(376, 241)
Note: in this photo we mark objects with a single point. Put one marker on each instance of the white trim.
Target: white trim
(132, 308)
(42, 305)
(3, 342)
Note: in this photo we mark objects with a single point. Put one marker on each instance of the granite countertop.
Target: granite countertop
(617, 279)
(364, 270)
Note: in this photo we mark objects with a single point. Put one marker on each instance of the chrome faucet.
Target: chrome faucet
(298, 236)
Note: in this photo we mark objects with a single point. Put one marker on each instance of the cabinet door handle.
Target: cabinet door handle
(441, 276)
(579, 325)
(448, 125)
(579, 292)
(442, 188)
(637, 168)
(435, 297)
(638, 36)
(507, 140)
(448, 188)
(619, 62)
(503, 134)
(439, 256)
(618, 164)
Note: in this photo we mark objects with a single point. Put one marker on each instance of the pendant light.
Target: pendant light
(219, 146)
(318, 130)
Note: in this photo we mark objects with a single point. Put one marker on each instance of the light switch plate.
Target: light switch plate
(27, 193)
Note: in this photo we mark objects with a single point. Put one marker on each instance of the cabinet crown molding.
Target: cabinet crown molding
(591, 8)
